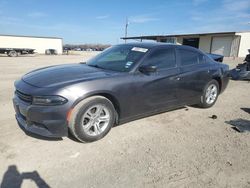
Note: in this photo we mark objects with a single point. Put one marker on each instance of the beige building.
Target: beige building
(229, 44)
(40, 44)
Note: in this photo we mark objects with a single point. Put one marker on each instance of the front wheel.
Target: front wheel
(92, 119)
(210, 94)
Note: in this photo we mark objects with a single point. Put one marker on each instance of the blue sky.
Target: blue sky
(96, 21)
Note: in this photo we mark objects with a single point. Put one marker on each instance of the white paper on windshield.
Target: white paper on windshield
(128, 64)
(137, 49)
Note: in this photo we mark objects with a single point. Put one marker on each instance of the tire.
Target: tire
(86, 123)
(47, 52)
(207, 100)
(12, 53)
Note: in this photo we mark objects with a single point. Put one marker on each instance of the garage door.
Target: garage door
(222, 45)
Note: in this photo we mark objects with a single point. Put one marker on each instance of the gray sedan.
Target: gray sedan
(123, 83)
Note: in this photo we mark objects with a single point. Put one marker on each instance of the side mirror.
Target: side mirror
(147, 69)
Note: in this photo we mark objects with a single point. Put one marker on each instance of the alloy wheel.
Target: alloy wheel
(211, 94)
(95, 120)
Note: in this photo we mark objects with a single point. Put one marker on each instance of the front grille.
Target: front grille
(23, 96)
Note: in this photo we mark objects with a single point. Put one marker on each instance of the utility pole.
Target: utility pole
(126, 29)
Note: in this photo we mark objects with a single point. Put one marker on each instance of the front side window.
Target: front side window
(188, 57)
(162, 58)
(119, 58)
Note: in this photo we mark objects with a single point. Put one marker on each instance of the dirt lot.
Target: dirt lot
(181, 148)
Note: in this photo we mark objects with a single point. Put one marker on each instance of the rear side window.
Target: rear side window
(162, 58)
(202, 59)
(189, 57)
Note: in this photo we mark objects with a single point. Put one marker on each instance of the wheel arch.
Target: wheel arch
(107, 95)
(219, 80)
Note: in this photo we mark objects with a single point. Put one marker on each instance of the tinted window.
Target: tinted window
(208, 59)
(202, 59)
(162, 58)
(188, 57)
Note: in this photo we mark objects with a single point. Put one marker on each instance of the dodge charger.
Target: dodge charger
(123, 83)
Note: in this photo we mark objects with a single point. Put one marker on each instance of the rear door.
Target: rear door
(194, 74)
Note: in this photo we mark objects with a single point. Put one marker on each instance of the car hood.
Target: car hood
(64, 74)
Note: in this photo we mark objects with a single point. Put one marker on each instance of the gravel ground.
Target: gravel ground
(181, 148)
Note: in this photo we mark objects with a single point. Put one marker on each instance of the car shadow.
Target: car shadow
(71, 137)
(194, 106)
(12, 178)
(151, 114)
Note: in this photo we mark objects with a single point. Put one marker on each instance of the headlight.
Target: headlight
(49, 100)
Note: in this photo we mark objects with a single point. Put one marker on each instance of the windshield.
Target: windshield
(118, 58)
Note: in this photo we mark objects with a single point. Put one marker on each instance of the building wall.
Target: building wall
(235, 46)
(39, 44)
(179, 40)
(205, 43)
(244, 43)
(222, 45)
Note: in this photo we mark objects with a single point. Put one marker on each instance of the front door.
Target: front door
(158, 89)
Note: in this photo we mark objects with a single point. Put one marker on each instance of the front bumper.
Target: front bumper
(48, 121)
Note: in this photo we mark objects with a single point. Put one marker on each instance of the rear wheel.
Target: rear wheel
(92, 119)
(12, 53)
(210, 94)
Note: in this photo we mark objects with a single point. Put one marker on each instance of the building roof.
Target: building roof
(154, 37)
(30, 36)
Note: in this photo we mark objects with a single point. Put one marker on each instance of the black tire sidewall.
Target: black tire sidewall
(204, 104)
(81, 135)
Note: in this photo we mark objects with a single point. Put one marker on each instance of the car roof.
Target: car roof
(150, 45)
